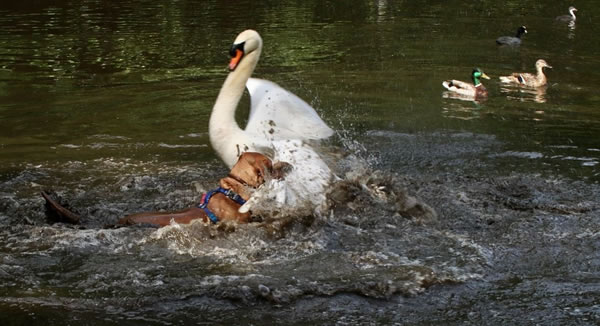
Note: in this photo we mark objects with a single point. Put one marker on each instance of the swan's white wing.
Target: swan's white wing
(303, 190)
(277, 114)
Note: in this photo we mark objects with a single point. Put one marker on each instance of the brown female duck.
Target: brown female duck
(527, 79)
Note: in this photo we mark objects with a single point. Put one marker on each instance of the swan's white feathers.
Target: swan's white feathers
(278, 114)
(303, 190)
(251, 39)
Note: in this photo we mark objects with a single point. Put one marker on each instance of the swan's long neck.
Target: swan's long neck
(572, 12)
(222, 127)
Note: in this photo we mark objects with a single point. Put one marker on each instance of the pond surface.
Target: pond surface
(107, 103)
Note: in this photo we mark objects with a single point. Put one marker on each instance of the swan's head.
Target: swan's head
(541, 63)
(245, 43)
(572, 10)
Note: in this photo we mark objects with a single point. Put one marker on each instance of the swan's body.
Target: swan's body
(570, 17)
(275, 114)
(475, 90)
(512, 40)
(278, 125)
(527, 79)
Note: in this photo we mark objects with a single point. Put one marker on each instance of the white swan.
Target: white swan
(275, 113)
(278, 125)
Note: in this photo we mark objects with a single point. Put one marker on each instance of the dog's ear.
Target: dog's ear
(230, 183)
(281, 169)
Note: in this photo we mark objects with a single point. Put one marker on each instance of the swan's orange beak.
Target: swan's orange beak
(236, 59)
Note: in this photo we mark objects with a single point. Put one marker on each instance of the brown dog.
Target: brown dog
(221, 204)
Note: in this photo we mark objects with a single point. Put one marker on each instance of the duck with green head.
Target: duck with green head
(475, 90)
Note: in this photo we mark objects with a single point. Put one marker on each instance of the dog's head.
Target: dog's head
(250, 171)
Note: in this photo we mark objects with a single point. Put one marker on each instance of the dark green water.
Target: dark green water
(108, 103)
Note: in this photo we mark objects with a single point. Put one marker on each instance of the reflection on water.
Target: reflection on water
(458, 110)
(456, 96)
(381, 10)
(571, 26)
(523, 93)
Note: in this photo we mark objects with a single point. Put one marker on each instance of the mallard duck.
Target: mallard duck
(512, 40)
(466, 89)
(568, 18)
(527, 79)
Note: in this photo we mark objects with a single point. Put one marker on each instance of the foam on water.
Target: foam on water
(531, 155)
(182, 145)
(369, 235)
(375, 239)
(308, 247)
